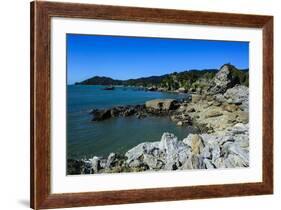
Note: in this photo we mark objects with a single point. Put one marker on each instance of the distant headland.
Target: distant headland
(187, 81)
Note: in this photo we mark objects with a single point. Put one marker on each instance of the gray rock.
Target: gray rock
(175, 151)
(195, 98)
(141, 149)
(213, 113)
(206, 152)
(135, 163)
(237, 150)
(193, 162)
(191, 109)
(187, 164)
(223, 80)
(183, 118)
(197, 162)
(216, 152)
(152, 162)
(229, 162)
(230, 107)
(208, 164)
(219, 98)
(242, 140)
(161, 104)
(103, 163)
(111, 160)
(243, 117)
(234, 161)
(238, 95)
(87, 167)
(219, 163)
(217, 103)
(168, 142)
(95, 164)
(194, 141)
(239, 128)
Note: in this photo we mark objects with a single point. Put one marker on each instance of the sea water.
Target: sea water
(86, 138)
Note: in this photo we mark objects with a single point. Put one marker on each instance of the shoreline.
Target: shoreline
(196, 151)
(220, 113)
(215, 118)
(140, 88)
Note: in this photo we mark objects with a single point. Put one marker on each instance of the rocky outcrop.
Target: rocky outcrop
(153, 107)
(196, 151)
(215, 113)
(208, 113)
(195, 98)
(161, 104)
(238, 95)
(225, 78)
(219, 139)
(99, 115)
(166, 154)
(119, 111)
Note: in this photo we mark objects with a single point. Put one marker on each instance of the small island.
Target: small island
(214, 106)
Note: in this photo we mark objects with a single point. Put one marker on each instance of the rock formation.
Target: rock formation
(196, 151)
(220, 112)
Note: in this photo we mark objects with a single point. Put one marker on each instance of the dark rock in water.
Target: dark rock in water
(114, 112)
(155, 107)
(99, 115)
(74, 166)
(125, 111)
(128, 112)
(152, 89)
(93, 111)
(140, 115)
(109, 88)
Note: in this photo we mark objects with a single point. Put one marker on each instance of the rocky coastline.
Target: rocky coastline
(219, 111)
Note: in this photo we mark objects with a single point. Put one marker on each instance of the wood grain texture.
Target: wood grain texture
(32, 124)
(41, 14)
(268, 104)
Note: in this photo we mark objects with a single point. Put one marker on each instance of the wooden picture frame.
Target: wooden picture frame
(41, 14)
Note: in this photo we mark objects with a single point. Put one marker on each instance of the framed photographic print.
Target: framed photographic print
(140, 105)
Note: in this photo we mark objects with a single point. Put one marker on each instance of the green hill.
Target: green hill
(185, 79)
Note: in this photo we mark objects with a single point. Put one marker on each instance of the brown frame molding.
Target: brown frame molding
(41, 14)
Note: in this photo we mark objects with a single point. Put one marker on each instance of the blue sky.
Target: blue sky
(134, 57)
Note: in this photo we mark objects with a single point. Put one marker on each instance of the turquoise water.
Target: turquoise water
(86, 138)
